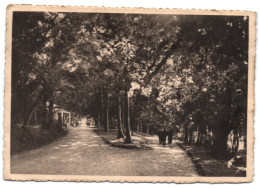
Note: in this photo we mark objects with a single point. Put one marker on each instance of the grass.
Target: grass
(107, 136)
(209, 166)
(24, 139)
(111, 139)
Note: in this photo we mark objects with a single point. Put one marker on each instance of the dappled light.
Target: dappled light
(122, 94)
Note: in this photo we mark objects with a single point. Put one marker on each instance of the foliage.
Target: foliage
(84, 62)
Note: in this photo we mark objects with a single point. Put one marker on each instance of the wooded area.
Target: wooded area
(134, 73)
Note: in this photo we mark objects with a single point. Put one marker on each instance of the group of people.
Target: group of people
(163, 133)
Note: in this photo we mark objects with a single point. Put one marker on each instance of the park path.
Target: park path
(83, 152)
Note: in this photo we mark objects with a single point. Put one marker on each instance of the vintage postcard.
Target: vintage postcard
(129, 94)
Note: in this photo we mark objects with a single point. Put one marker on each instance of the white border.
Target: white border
(198, 4)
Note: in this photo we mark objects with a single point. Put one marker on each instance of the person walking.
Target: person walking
(170, 136)
(159, 132)
(164, 136)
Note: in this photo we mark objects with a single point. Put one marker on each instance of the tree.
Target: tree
(198, 64)
(31, 73)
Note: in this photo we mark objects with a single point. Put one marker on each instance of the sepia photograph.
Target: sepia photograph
(132, 95)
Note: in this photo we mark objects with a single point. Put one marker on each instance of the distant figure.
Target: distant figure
(170, 133)
(163, 136)
(159, 132)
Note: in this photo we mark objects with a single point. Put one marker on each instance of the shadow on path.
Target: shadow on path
(83, 152)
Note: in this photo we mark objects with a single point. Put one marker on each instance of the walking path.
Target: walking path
(83, 152)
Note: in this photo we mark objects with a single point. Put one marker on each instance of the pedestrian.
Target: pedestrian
(164, 136)
(159, 132)
(170, 134)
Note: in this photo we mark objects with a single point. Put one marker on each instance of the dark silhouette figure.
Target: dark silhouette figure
(170, 133)
(163, 136)
(159, 132)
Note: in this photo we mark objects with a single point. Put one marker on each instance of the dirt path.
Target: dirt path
(83, 152)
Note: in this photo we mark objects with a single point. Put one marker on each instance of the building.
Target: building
(61, 116)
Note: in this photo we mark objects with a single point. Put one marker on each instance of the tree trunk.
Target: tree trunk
(186, 134)
(98, 119)
(138, 127)
(132, 130)
(147, 129)
(127, 119)
(219, 148)
(123, 115)
(202, 131)
(106, 112)
(132, 122)
(235, 143)
(120, 133)
(245, 143)
(32, 109)
(50, 115)
(199, 137)
(35, 117)
(30, 116)
(113, 121)
(190, 136)
(44, 116)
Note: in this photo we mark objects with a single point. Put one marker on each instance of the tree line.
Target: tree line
(136, 72)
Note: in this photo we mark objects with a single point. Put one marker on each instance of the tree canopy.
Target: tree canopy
(176, 69)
